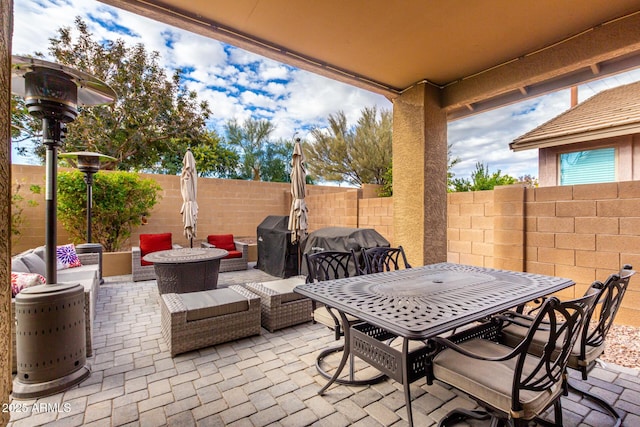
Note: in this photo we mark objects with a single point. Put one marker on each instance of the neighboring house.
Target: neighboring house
(598, 140)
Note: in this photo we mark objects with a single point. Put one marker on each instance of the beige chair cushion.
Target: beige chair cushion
(321, 315)
(512, 335)
(213, 303)
(491, 382)
(284, 287)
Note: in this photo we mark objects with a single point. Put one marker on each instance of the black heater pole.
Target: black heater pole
(51, 137)
(88, 179)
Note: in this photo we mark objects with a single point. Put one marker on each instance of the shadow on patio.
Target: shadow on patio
(269, 379)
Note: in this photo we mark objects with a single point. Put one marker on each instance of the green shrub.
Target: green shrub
(120, 200)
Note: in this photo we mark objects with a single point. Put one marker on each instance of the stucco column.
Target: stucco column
(420, 175)
(6, 18)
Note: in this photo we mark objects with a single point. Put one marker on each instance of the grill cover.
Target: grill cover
(341, 239)
(276, 254)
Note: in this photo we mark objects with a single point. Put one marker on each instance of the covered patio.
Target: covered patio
(268, 379)
(437, 63)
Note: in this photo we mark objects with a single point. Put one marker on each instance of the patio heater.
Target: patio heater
(50, 319)
(89, 164)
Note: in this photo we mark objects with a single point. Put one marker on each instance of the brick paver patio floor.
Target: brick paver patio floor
(266, 380)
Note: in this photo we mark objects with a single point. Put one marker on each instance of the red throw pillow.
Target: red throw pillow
(222, 241)
(154, 243)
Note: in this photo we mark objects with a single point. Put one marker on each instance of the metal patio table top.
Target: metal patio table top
(422, 302)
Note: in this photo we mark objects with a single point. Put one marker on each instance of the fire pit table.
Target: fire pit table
(186, 269)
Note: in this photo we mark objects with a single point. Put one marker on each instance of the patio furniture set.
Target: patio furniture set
(513, 365)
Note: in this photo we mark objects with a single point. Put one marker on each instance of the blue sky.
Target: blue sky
(238, 84)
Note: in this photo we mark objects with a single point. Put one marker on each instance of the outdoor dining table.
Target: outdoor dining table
(417, 304)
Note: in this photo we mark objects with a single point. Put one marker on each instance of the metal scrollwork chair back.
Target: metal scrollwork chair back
(607, 306)
(381, 259)
(475, 362)
(591, 344)
(330, 265)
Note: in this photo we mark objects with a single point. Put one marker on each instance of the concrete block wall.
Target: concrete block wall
(582, 232)
(586, 232)
(333, 209)
(377, 213)
(470, 228)
(508, 228)
(32, 231)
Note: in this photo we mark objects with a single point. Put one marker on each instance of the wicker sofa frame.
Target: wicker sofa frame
(278, 314)
(182, 336)
(233, 264)
(141, 272)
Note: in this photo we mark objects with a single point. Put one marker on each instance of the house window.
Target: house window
(588, 167)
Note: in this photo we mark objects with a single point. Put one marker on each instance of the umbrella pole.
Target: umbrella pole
(191, 242)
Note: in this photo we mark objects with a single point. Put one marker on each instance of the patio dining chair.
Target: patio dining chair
(592, 342)
(330, 265)
(512, 384)
(381, 259)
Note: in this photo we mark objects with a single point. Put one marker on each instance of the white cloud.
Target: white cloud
(256, 100)
(273, 71)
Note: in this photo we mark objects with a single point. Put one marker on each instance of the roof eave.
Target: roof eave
(575, 138)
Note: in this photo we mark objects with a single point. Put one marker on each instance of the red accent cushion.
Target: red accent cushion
(222, 241)
(154, 243)
(233, 254)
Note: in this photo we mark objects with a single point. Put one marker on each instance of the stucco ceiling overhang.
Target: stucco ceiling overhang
(481, 54)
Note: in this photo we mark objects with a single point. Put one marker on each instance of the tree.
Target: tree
(358, 155)
(23, 125)
(213, 157)
(276, 162)
(120, 200)
(250, 138)
(152, 110)
(482, 179)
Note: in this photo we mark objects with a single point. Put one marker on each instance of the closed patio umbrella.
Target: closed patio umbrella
(298, 215)
(189, 190)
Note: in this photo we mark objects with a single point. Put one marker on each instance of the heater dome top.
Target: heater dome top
(91, 91)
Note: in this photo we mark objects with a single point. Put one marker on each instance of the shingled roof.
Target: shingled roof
(610, 113)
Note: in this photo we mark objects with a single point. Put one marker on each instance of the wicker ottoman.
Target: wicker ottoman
(201, 319)
(281, 307)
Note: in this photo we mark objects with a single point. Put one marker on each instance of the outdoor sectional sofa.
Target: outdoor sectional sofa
(87, 275)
